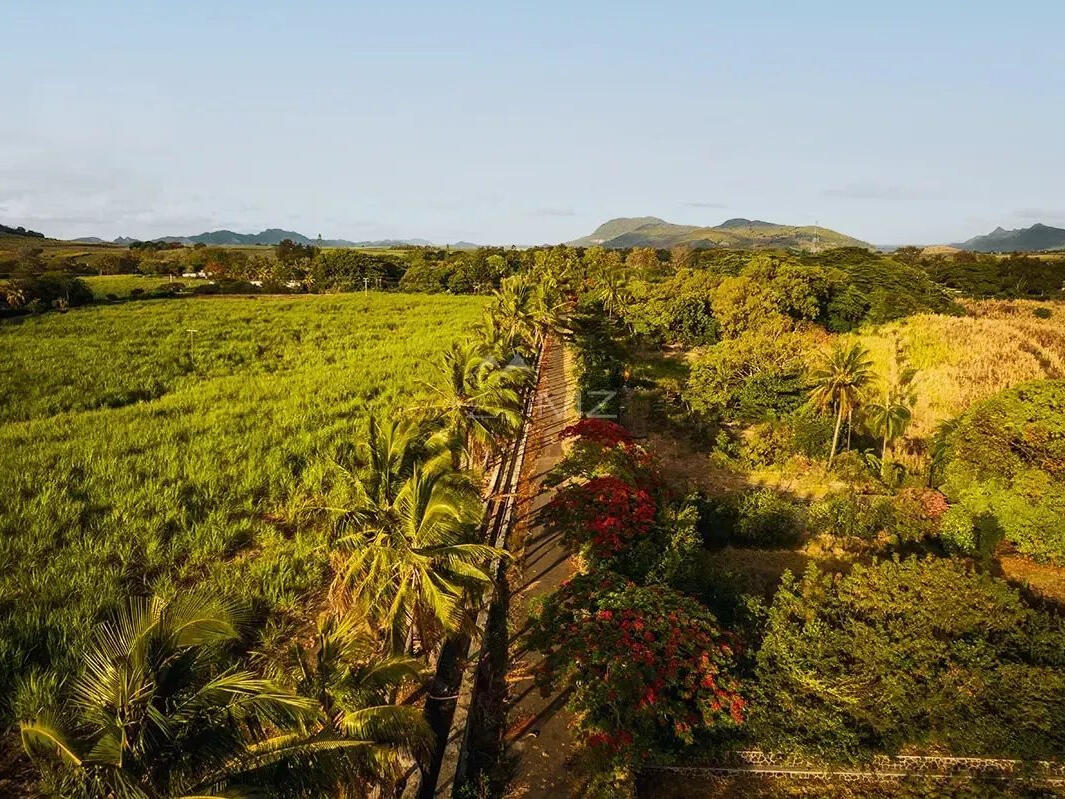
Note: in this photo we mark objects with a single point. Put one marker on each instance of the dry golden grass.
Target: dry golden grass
(961, 360)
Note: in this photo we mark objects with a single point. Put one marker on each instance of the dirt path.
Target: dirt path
(540, 732)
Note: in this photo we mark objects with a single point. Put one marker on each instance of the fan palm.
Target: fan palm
(839, 380)
(159, 711)
(477, 401)
(411, 563)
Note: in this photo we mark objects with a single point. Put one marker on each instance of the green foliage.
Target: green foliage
(757, 375)
(42, 291)
(985, 275)
(353, 270)
(1007, 466)
(923, 653)
(761, 518)
(159, 708)
(848, 514)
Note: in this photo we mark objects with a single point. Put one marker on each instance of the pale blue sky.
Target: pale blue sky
(532, 122)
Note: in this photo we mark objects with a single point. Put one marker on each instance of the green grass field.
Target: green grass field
(137, 455)
(122, 286)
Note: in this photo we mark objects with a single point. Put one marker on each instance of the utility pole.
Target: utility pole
(365, 285)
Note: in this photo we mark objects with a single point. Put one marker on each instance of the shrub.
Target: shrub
(762, 518)
(849, 514)
(648, 668)
(1042, 312)
(768, 519)
(916, 514)
(603, 448)
(811, 433)
(895, 655)
(1007, 466)
(957, 531)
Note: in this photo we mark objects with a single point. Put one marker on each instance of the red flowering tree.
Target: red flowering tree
(605, 514)
(599, 431)
(648, 667)
(601, 447)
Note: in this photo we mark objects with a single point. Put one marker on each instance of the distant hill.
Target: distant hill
(269, 237)
(20, 231)
(1032, 239)
(650, 231)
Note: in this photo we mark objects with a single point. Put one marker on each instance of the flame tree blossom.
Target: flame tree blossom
(605, 514)
(649, 668)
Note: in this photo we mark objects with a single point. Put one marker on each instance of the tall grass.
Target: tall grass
(135, 455)
(961, 360)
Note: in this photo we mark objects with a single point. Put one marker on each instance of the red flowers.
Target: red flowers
(605, 512)
(599, 431)
(648, 666)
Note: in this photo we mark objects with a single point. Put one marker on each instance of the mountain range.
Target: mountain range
(739, 233)
(1036, 238)
(641, 231)
(269, 237)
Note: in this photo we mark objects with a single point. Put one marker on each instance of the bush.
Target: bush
(37, 292)
(768, 519)
(1042, 312)
(920, 653)
(762, 518)
(648, 668)
(957, 531)
(1006, 466)
(916, 514)
(851, 515)
(603, 448)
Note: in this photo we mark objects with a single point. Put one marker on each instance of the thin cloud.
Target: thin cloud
(870, 191)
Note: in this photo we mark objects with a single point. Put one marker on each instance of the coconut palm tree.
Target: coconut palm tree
(838, 381)
(891, 413)
(549, 310)
(477, 402)
(342, 669)
(387, 457)
(613, 293)
(513, 311)
(410, 563)
(160, 710)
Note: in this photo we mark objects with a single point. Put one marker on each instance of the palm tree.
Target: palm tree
(342, 669)
(613, 293)
(388, 455)
(159, 711)
(839, 381)
(892, 412)
(477, 401)
(411, 563)
(513, 313)
(549, 310)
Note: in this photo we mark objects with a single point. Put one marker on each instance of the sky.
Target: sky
(524, 123)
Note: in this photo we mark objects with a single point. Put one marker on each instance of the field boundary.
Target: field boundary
(757, 763)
